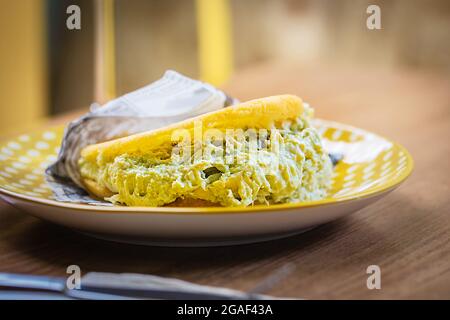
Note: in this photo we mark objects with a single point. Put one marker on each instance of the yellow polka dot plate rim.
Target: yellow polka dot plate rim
(371, 164)
(371, 167)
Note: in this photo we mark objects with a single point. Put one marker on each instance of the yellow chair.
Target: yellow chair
(215, 40)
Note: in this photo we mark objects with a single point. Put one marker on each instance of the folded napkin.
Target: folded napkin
(171, 99)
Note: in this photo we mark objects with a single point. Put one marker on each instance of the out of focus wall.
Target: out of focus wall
(154, 35)
(415, 33)
(70, 56)
(23, 68)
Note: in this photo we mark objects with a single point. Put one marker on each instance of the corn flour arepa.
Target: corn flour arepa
(263, 151)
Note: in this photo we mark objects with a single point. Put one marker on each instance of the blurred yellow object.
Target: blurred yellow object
(23, 83)
(215, 40)
(105, 69)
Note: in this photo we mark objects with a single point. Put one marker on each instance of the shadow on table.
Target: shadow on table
(62, 246)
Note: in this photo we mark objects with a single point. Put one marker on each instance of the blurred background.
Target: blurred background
(47, 69)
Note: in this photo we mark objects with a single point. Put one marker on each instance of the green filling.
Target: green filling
(300, 171)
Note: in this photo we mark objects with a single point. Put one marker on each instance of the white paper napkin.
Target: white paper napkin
(171, 99)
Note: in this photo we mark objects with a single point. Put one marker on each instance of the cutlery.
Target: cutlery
(112, 286)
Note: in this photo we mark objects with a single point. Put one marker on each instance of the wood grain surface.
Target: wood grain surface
(407, 233)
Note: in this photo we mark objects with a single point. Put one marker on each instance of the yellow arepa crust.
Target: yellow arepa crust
(258, 113)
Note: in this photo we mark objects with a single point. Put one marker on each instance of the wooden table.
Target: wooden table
(407, 233)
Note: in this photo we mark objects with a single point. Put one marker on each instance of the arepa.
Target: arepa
(140, 170)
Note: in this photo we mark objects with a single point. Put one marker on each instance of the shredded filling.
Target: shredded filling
(258, 173)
